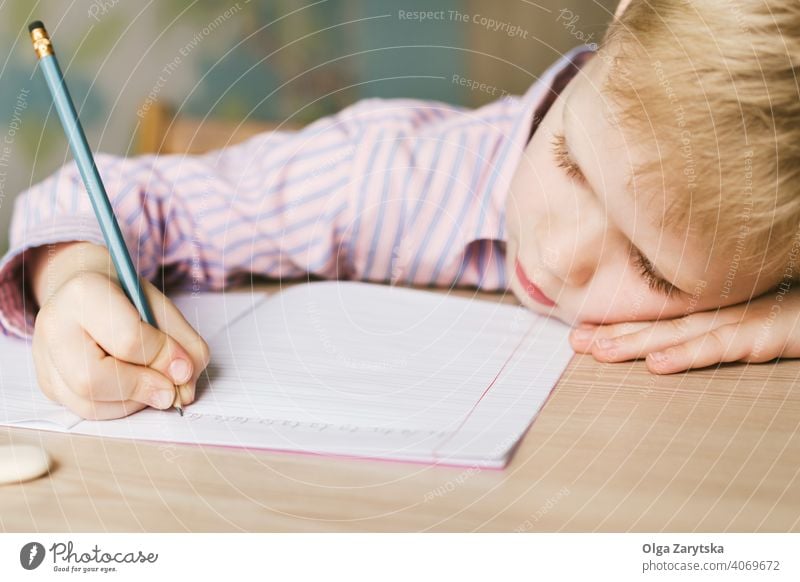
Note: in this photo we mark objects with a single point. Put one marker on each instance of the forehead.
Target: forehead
(606, 153)
(590, 122)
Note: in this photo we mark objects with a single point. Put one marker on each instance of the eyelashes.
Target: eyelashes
(655, 283)
(561, 155)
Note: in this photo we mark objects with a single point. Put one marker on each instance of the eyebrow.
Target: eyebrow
(655, 271)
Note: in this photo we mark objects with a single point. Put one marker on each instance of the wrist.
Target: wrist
(50, 266)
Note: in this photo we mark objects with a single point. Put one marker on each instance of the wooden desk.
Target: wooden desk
(614, 449)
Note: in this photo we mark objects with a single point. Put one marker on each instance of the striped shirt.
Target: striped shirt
(399, 191)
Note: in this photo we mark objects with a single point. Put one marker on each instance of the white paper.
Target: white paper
(356, 369)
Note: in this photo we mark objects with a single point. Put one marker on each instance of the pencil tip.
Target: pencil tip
(34, 25)
(180, 410)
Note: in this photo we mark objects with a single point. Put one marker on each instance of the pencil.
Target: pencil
(128, 277)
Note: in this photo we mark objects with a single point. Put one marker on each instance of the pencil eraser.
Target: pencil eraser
(35, 24)
(22, 463)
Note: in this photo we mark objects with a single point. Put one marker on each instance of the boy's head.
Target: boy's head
(679, 138)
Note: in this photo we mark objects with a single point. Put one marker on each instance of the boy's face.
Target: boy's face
(573, 234)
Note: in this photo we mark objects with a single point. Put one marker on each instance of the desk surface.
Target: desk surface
(615, 448)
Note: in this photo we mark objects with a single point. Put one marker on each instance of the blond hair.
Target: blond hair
(711, 87)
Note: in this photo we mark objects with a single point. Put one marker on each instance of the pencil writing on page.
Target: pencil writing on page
(128, 277)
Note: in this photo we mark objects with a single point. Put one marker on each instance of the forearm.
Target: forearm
(188, 217)
(50, 266)
(54, 234)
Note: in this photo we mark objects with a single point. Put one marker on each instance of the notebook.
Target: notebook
(340, 368)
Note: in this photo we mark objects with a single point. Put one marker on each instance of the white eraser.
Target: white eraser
(22, 463)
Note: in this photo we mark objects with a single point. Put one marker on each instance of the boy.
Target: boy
(591, 203)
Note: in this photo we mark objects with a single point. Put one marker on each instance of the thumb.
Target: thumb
(169, 357)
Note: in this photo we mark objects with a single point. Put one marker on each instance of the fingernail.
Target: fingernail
(606, 343)
(162, 398)
(582, 334)
(660, 361)
(180, 371)
(659, 357)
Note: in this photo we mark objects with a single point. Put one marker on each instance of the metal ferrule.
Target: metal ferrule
(41, 42)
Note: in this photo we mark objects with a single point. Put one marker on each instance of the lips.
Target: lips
(533, 291)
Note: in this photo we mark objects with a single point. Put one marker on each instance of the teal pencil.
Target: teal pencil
(126, 272)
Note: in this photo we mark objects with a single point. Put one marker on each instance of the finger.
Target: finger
(41, 359)
(56, 389)
(728, 343)
(97, 376)
(172, 322)
(658, 336)
(87, 370)
(100, 307)
(91, 409)
(583, 337)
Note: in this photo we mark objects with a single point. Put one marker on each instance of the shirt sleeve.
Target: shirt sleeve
(272, 205)
(433, 182)
(429, 202)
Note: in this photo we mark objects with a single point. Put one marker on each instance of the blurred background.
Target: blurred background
(267, 60)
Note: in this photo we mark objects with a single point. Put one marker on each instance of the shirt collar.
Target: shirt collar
(532, 107)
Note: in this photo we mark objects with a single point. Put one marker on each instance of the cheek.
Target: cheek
(618, 297)
(527, 202)
(517, 211)
(616, 294)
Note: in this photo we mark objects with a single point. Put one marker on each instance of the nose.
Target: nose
(571, 250)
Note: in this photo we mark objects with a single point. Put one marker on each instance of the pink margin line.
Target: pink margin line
(511, 454)
(485, 392)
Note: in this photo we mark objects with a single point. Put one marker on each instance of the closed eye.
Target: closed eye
(563, 159)
(655, 282)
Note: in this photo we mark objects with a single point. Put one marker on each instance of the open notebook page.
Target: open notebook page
(350, 368)
(22, 402)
